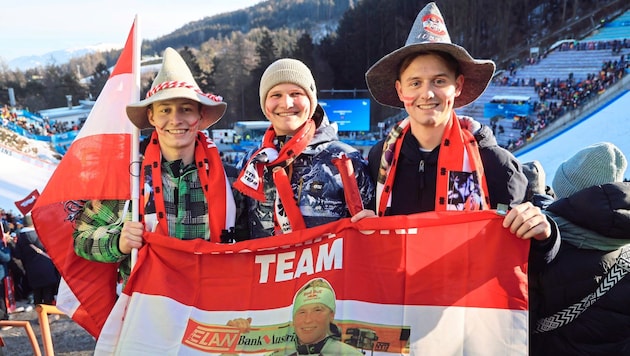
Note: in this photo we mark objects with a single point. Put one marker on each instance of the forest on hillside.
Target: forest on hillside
(339, 40)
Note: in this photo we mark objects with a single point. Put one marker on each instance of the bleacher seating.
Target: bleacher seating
(615, 30)
(556, 64)
(561, 64)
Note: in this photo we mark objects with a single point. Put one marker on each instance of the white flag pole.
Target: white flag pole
(135, 134)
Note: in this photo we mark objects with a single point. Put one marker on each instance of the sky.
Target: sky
(36, 27)
(608, 124)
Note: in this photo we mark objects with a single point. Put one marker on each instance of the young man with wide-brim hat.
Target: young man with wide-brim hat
(185, 192)
(430, 161)
(429, 77)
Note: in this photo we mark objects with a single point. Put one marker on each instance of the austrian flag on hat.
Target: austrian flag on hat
(428, 34)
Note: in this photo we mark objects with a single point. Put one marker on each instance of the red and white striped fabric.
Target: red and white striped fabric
(447, 283)
(96, 166)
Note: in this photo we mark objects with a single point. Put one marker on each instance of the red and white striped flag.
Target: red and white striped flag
(448, 283)
(96, 166)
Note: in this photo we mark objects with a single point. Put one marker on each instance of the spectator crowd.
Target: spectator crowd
(559, 96)
(26, 272)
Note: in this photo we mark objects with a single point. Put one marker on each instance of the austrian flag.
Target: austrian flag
(96, 166)
(447, 283)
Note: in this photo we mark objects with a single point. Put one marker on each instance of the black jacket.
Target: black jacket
(603, 328)
(414, 191)
(40, 271)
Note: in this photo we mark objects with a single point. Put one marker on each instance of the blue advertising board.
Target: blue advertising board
(349, 114)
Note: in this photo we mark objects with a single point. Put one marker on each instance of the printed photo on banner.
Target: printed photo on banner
(314, 329)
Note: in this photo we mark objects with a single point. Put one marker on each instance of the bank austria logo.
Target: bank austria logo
(225, 339)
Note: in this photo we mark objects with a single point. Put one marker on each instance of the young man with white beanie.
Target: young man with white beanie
(291, 181)
(314, 307)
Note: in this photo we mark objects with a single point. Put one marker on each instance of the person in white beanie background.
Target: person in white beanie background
(291, 182)
(182, 174)
(576, 315)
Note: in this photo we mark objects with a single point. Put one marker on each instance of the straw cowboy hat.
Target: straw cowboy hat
(174, 80)
(428, 33)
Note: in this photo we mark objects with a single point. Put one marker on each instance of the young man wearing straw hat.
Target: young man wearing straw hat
(415, 166)
(185, 192)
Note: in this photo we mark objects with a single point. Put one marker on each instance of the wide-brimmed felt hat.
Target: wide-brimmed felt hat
(174, 80)
(428, 33)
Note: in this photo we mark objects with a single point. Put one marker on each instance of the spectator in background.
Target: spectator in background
(5, 258)
(41, 274)
(538, 192)
(22, 289)
(593, 214)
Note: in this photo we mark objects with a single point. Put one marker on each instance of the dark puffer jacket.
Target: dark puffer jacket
(598, 218)
(316, 185)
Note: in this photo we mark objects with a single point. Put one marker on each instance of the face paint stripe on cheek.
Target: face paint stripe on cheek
(407, 100)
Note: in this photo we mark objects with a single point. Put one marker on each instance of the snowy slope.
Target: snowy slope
(19, 175)
(611, 123)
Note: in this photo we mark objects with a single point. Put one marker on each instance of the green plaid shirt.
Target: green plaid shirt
(98, 227)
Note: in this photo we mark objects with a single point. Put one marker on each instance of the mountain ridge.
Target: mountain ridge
(271, 14)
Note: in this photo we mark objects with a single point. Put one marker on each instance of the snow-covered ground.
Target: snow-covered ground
(20, 174)
(611, 124)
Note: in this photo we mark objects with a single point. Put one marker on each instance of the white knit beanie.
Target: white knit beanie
(287, 70)
(597, 164)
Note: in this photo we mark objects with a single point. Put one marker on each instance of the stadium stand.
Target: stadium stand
(576, 59)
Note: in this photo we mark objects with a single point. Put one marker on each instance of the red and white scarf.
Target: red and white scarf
(287, 214)
(216, 187)
(458, 153)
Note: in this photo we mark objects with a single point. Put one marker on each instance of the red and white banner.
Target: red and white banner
(96, 166)
(451, 283)
(26, 205)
